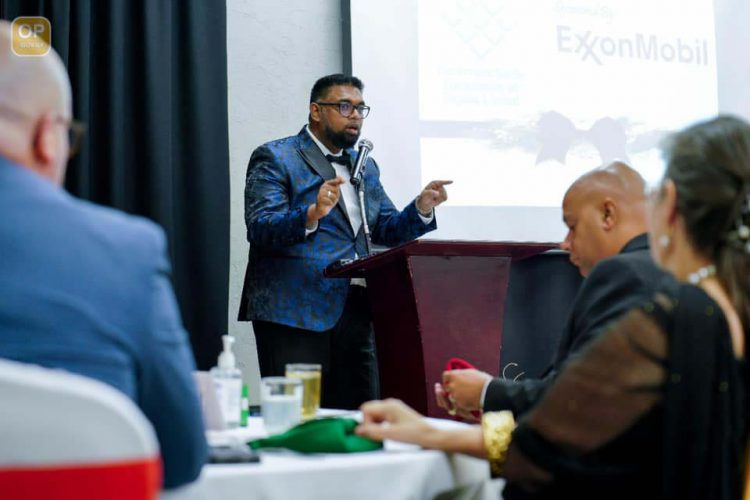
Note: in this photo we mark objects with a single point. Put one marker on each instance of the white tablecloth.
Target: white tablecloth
(399, 471)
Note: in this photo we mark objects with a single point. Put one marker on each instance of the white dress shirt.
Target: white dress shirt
(348, 191)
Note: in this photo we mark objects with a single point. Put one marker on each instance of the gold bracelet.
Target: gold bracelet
(497, 429)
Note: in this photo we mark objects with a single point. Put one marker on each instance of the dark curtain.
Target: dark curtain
(149, 79)
(541, 290)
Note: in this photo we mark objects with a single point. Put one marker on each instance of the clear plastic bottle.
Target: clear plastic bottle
(228, 383)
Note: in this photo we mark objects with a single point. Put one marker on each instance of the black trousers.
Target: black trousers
(346, 353)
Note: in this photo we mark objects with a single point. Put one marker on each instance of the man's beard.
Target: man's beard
(341, 139)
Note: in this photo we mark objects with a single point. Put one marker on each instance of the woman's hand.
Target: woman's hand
(392, 419)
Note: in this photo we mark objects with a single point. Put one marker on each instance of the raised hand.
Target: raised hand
(432, 195)
(328, 196)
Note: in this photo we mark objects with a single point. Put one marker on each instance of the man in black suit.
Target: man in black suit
(605, 214)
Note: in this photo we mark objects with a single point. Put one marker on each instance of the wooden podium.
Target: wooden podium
(433, 300)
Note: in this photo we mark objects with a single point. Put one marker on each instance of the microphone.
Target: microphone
(365, 146)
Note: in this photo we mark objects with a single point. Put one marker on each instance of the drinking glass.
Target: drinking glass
(310, 376)
(280, 403)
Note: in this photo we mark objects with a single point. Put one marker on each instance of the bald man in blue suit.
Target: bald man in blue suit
(86, 288)
(302, 214)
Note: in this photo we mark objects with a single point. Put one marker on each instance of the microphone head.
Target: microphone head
(365, 143)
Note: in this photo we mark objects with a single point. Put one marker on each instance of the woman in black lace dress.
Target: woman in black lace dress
(656, 406)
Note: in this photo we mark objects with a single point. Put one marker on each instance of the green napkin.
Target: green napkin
(327, 435)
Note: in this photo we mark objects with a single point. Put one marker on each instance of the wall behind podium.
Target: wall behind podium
(275, 52)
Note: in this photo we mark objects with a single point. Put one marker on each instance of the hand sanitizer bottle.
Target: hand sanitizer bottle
(228, 382)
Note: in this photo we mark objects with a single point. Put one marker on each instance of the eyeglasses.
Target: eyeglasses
(346, 108)
(76, 130)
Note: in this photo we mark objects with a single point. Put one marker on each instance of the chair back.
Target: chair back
(64, 436)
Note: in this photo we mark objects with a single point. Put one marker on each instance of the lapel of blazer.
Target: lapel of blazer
(315, 159)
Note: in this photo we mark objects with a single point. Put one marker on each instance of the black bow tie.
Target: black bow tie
(343, 159)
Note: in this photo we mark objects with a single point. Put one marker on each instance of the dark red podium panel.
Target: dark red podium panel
(433, 300)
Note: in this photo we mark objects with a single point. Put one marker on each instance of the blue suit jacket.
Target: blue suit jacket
(284, 282)
(86, 289)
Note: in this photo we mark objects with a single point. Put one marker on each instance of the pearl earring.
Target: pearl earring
(664, 241)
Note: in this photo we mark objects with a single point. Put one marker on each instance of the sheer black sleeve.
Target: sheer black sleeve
(655, 407)
(600, 394)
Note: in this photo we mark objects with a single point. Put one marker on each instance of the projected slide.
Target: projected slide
(514, 99)
(517, 98)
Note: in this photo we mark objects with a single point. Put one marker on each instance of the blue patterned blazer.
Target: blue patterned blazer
(284, 281)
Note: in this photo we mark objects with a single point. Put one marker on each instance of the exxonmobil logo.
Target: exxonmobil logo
(597, 48)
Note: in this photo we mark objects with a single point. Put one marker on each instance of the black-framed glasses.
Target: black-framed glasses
(346, 108)
(76, 130)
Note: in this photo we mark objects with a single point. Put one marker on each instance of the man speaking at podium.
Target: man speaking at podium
(302, 213)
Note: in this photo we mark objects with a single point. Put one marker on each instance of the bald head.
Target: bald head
(616, 180)
(604, 209)
(35, 105)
